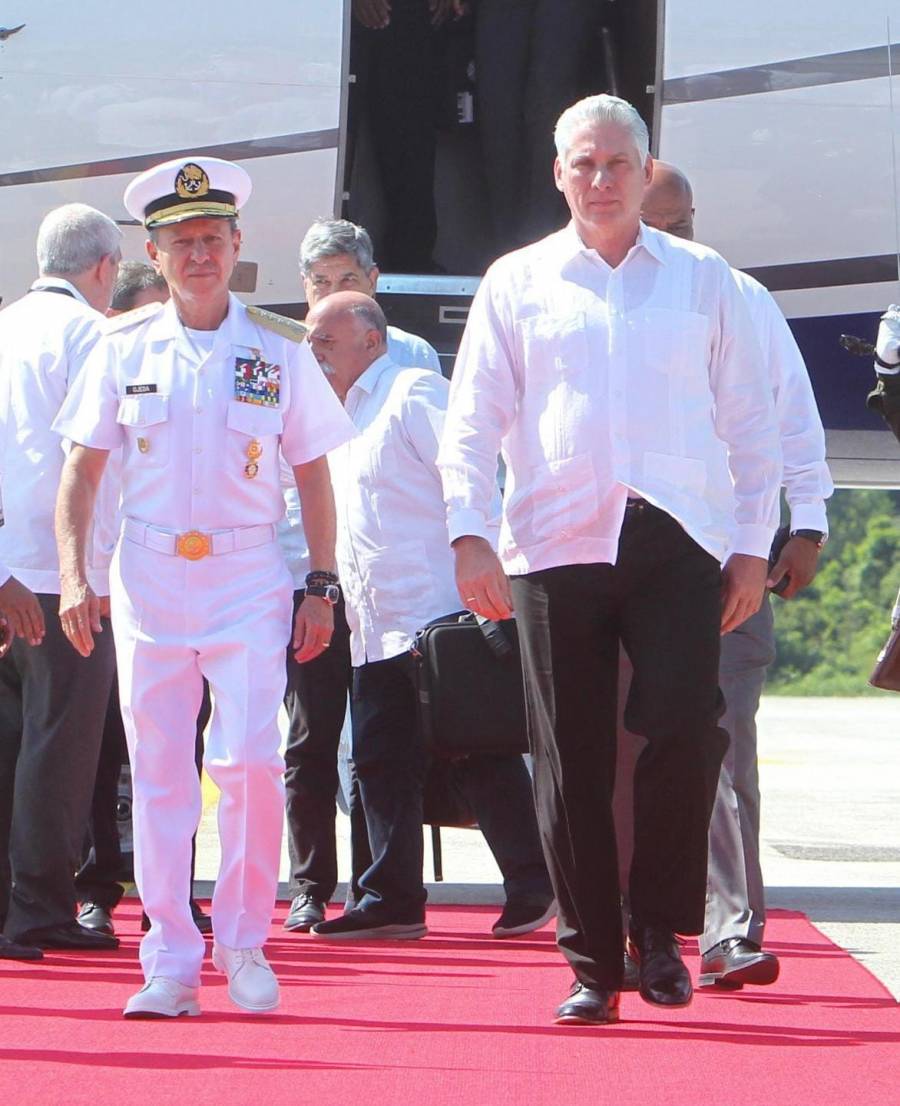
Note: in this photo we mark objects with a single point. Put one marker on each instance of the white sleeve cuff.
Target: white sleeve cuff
(809, 516)
(467, 522)
(753, 539)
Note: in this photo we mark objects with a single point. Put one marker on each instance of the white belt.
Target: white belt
(194, 545)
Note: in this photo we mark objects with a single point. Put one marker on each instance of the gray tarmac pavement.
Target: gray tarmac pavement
(830, 779)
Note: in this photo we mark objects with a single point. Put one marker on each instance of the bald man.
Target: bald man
(396, 571)
(731, 945)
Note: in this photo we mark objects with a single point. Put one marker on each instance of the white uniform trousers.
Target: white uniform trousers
(228, 618)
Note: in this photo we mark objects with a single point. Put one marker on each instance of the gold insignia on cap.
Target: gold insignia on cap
(143, 445)
(251, 469)
(254, 450)
(191, 182)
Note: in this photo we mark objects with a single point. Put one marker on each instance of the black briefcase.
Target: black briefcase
(471, 697)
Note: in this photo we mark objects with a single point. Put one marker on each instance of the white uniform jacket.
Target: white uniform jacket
(596, 380)
(195, 456)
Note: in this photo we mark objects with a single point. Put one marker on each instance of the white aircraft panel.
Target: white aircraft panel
(703, 36)
(164, 76)
(789, 176)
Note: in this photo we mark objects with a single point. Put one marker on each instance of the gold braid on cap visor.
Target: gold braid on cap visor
(177, 213)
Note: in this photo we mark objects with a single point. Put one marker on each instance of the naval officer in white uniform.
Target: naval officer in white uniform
(201, 393)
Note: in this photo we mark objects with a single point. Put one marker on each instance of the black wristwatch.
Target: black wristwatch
(817, 537)
(323, 585)
(331, 593)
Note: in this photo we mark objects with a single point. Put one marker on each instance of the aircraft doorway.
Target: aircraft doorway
(498, 79)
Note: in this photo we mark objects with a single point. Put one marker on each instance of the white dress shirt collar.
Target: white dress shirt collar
(568, 245)
(367, 381)
(58, 282)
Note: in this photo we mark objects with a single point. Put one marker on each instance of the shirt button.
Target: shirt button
(198, 409)
(198, 449)
(196, 491)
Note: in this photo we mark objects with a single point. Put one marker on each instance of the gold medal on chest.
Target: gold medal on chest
(251, 469)
(143, 445)
(254, 451)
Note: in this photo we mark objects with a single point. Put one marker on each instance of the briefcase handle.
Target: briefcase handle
(494, 633)
(495, 636)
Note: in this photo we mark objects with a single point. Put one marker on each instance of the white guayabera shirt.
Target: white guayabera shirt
(45, 338)
(403, 349)
(806, 479)
(394, 556)
(593, 381)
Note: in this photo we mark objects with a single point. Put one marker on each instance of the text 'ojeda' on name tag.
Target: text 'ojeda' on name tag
(139, 389)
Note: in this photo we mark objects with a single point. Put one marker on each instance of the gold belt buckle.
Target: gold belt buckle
(193, 545)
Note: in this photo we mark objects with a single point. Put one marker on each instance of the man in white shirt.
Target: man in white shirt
(52, 702)
(335, 256)
(396, 570)
(203, 395)
(730, 944)
(610, 362)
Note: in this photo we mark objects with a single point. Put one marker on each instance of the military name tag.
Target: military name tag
(256, 381)
(139, 389)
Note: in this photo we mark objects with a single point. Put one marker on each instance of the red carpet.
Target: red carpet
(455, 1020)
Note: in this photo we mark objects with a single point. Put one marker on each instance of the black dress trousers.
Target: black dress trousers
(316, 703)
(662, 601)
(52, 707)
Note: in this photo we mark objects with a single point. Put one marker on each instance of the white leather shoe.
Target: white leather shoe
(163, 998)
(251, 982)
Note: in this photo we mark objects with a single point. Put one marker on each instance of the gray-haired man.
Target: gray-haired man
(136, 285)
(52, 701)
(335, 256)
(610, 363)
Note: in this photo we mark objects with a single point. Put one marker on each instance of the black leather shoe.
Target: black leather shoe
(202, 920)
(12, 950)
(736, 961)
(68, 935)
(663, 978)
(586, 1006)
(306, 911)
(631, 973)
(94, 916)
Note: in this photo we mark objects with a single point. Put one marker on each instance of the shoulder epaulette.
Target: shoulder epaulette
(278, 324)
(131, 318)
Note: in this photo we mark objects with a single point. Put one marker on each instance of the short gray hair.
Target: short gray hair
(73, 238)
(595, 110)
(332, 237)
(133, 278)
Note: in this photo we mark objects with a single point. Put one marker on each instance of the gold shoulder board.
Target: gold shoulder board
(278, 324)
(132, 318)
